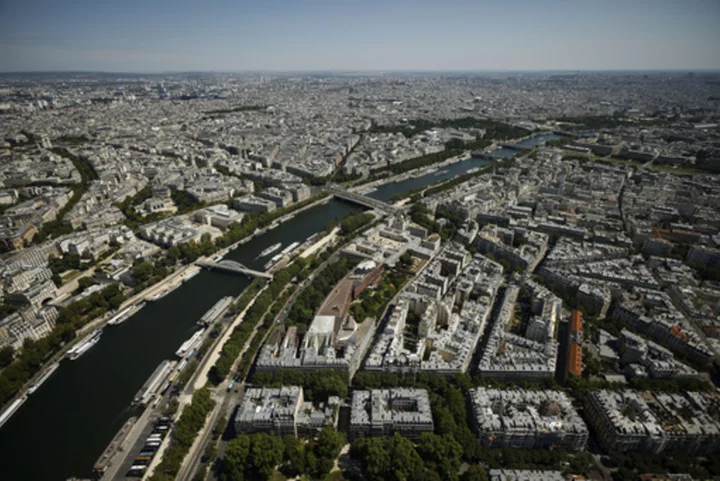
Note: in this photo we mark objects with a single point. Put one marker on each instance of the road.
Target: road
(225, 405)
(198, 447)
(201, 375)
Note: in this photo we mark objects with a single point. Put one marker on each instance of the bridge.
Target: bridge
(361, 199)
(233, 267)
(517, 147)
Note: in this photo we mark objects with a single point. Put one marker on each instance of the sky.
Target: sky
(358, 35)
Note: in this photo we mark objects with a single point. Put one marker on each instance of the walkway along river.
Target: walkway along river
(66, 424)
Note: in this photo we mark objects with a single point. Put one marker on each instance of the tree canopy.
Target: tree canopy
(251, 457)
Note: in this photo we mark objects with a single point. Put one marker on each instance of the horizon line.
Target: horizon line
(362, 71)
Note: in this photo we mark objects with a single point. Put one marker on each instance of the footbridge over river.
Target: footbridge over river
(235, 267)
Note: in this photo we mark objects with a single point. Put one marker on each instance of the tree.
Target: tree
(219, 427)
(171, 407)
(86, 282)
(391, 459)
(295, 455)
(7, 354)
(233, 464)
(266, 452)
(455, 402)
(373, 455)
(142, 271)
(475, 472)
(173, 253)
(210, 452)
(326, 448)
(116, 300)
(354, 221)
(406, 260)
(186, 430)
(318, 385)
(406, 464)
(441, 454)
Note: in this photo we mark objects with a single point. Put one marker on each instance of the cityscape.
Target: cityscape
(359, 274)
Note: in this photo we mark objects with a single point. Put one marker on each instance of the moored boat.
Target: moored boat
(45, 376)
(270, 249)
(84, 346)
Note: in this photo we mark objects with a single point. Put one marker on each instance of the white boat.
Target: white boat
(164, 293)
(270, 250)
(289, 248)
(274, 260)
(125, 314)
(214, 312)
(189, 345)
(7, 414)
(157, 297)
(43, 378)
(187, 277)
(84, 346)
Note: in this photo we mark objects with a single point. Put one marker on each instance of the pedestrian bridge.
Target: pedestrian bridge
(228, 265)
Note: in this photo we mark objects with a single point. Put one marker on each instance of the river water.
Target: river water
(538, 139)
(66, 424)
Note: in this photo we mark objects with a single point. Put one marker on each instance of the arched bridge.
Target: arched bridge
(228, 265)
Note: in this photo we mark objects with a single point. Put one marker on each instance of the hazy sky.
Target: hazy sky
(236, 35)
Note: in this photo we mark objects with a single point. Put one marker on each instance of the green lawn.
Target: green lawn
(68, 275)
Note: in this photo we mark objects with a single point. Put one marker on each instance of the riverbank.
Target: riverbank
(276, 223)
(174, 278)
(99, 323)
